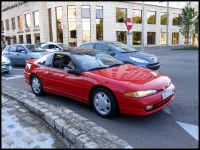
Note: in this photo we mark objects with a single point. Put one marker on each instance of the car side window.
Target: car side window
(46, 46)
(104, 49)
(87, 45)
(13, 48)
(51, 46)
(20, 49)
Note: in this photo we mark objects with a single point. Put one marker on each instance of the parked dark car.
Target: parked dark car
(125, 53)
(18, 53)
(100, 80)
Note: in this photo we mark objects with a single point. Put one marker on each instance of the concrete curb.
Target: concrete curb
(73, 130)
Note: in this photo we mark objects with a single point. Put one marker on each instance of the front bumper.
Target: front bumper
(5, 67)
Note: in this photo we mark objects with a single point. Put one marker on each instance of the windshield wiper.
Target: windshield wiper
(129, 52)
(97, 68)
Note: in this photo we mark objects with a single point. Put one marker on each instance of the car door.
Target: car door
(61, 82)
(11, 53)
(22, 55)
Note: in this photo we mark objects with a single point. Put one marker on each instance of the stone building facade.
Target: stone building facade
(74, 22)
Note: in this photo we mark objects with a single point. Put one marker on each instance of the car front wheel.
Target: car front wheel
(104, 103)
(36, 85)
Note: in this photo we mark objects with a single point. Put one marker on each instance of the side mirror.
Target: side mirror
(74, 71)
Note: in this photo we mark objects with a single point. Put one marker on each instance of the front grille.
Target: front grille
(154, 66)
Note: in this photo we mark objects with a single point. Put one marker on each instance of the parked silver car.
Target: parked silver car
(18, 53)
(53, 46)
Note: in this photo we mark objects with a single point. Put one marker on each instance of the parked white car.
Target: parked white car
(6, 65)
(52, 46)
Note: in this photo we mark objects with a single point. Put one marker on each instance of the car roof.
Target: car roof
(101, 42)
(78, 50)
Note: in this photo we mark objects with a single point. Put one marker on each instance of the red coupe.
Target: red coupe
(100, 80)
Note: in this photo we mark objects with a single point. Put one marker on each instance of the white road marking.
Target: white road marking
(167, 110)
(16, 76)
(193, 130)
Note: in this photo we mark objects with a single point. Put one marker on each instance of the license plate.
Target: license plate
(167, 94)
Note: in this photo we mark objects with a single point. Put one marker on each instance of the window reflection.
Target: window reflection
(175, 19)
(175, 38)
(86, 23)
(151, 17)
(137, 17)
(151, 38)
(20, 21)
(136, 38)
(36, 18)
(27, 17)
(13, 23)
(99, 23)
(163, 19)
(72, 25)
(121, 36)
(59, 24)
(121, 13)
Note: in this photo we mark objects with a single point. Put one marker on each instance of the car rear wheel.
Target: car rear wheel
(104, 103)
(36, 85)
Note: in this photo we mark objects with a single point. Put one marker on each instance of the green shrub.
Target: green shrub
(188, 47)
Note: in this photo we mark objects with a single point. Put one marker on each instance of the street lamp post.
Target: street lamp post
(167, 23)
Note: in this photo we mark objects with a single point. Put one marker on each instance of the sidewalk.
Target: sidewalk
(22, 129)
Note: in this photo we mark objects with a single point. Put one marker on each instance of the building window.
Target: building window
(7, 24)
(2, 26)
(85, 11)
(151, 36)
(27, 19)
(151, 17)
(13, 23)
(163, 38)
(136, 38)
(86, 21)
(21, 39)
(72, 25)
(28, 38)
(121, 36)
(175, 37)
(14, 40)
(59, 24)
(121, 13)
(137, 17)
(163, 19)
(37, 37)
(175, 19)
(36, 19)
(19, 21)
(50, 26)
(99, 23)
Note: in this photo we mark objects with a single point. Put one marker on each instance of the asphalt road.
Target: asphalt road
(176, 126)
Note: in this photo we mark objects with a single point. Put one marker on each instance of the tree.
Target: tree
(187, 22)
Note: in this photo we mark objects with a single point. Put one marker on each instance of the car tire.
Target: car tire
(36, 85)
(6, 72)
(104, 103)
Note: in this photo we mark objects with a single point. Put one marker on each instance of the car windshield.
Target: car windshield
(123, 48)
(35, 48)
(95, 60)
(64, 46)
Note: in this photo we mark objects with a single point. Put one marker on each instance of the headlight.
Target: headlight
(8, 60)
(138, 60)
(139, 94)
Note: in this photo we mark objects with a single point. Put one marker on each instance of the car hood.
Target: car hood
(142, 55)
(134, 76)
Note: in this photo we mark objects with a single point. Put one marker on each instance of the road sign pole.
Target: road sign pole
(128, 38)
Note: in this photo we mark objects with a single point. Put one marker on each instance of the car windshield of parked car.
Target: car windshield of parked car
(64, 46)
(35, 48)
(123, 48)
(95, 61)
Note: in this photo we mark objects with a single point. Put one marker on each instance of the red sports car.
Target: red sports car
(100, 80)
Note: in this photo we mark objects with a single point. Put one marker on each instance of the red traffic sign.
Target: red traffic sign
(129, 23)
